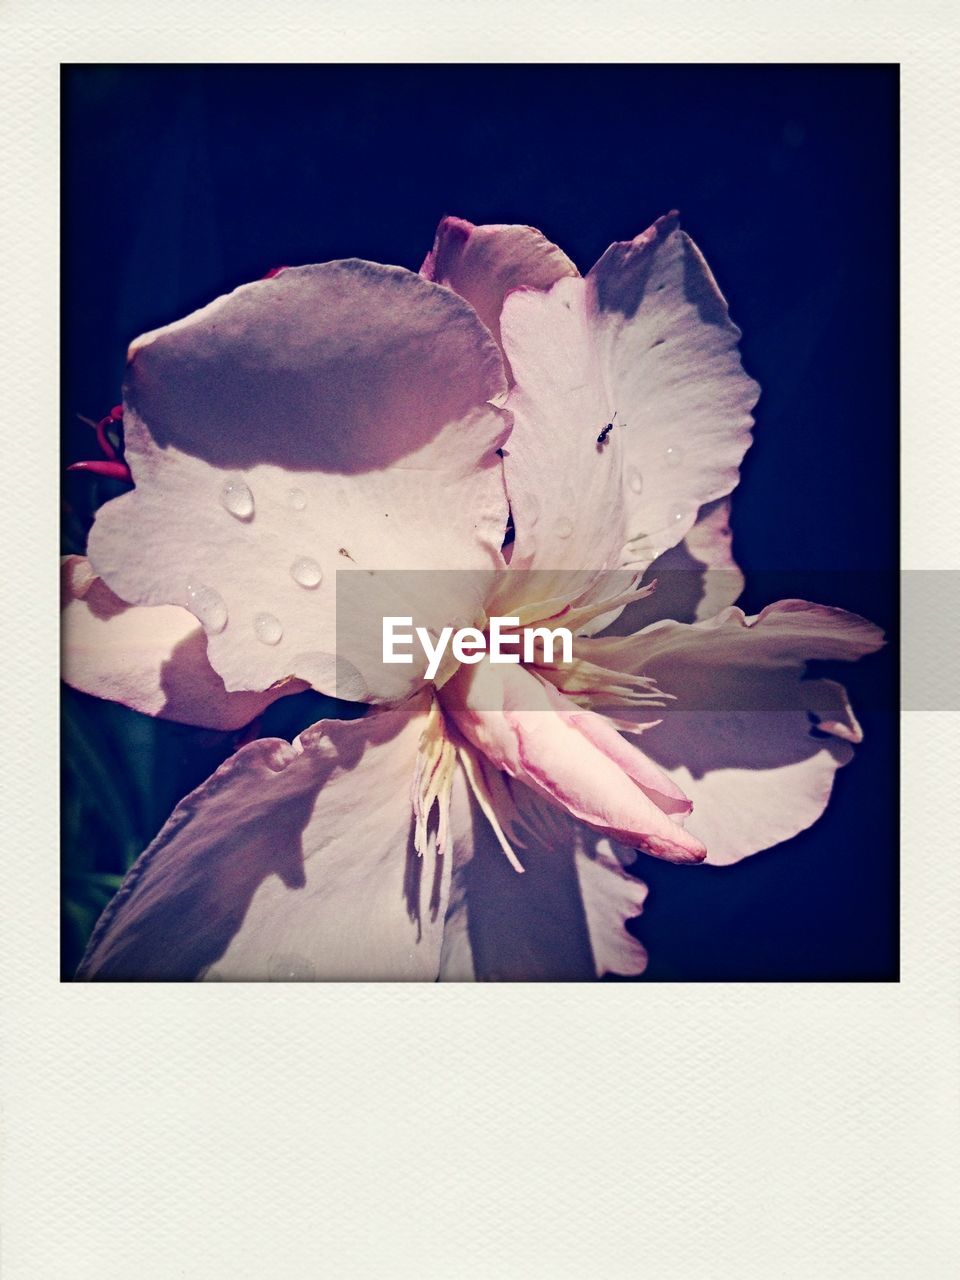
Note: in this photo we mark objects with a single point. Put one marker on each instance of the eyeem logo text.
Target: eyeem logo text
(501, 643)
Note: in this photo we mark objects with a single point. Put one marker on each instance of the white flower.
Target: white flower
(357, 417)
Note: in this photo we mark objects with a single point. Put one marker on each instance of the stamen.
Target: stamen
(587, 683)
(574, 616)
(628, 726)
(478, 785)
(433, 783)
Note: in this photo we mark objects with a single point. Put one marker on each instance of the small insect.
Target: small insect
(602, 437)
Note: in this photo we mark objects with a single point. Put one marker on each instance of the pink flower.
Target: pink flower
(350, 416)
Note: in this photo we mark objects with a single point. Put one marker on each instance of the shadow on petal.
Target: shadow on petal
(188, 895)
(342, 367)
(289, 863)
(530, 927)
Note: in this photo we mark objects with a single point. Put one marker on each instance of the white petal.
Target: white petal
(753, 744)
(611, 897)
(333, 418)
(699, 576)
(669, 355)
(290, 863)
(565, 489)
(150, 658)
(644, 343)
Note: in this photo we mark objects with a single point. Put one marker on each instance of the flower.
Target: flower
(396, 425)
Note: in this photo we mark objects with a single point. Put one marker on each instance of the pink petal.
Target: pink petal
(665, 793)
(531, 732)
(334, 417)
(562, 920)
(290, 863)
(153, 659)
(645, 343)
(753, 744)
(484, 263)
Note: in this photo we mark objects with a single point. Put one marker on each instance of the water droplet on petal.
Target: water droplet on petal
(677, 514)
(306, 571)
(564, 527)
(267, 628)
(673, 455)
(296, 499)
(530, 509)
(237, 498)
(207, 606)
(635, 480)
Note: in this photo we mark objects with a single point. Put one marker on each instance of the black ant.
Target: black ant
(602, 437)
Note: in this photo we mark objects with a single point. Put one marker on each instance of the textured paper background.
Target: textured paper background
(348, 1131)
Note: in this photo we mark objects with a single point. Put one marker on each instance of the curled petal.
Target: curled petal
(328, 419)
(531, 732)
(153, 659)
(292, 863)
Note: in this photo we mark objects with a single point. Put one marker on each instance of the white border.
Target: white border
(364, 1131)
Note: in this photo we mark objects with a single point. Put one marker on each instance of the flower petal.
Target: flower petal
(562, 920)
(688, 583)
(150, 658)
(611, 897)
(699, 576)
(645, 343)
(484, 263)
(565, 489)
(529, 730)
(669, 352)
(330, 418)
(290, 863)
(753, 744)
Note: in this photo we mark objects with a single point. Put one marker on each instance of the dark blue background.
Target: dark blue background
(181, 182)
